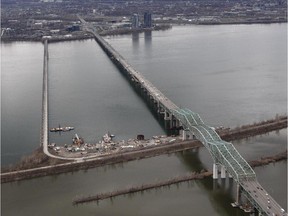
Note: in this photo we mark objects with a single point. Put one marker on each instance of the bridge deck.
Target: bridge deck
(257, 195)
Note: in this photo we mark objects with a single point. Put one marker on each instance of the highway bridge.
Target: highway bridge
(224, 154)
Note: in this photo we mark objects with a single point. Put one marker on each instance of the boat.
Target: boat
(63, 129)
(110, 135)
(67, 129)
(58, 129)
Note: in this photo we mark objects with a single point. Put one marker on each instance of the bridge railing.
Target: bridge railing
(189, 116)
(212, 132)
(196, 116)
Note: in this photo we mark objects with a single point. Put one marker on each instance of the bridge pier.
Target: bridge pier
(223, 172)
(161, 109)
(158, 107)
(238, 194)
(215, 171)
(184, 134)
(230, 185)
(177, 123)
(167, 115)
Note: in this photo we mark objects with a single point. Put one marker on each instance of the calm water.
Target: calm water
(21, 85)
(230, 75)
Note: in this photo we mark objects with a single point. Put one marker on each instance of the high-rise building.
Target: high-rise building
(147, 20)
(135, 21)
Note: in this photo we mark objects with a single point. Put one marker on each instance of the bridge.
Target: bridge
(224, 154)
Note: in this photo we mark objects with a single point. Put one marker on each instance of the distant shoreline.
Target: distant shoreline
(86, 36)
(167, 25)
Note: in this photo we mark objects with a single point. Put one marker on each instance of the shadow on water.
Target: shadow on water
(221, 192)
(135, 39)
(148, 37)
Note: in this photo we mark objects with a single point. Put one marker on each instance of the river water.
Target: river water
(231, 75)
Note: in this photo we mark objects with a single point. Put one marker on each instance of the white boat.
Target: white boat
(63, 129)
(67, 128)
(110, 135)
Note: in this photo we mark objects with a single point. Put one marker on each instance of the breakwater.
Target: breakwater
(270, 159)
(135, 154)
(143, 187)
(175, 180)
(257, 128)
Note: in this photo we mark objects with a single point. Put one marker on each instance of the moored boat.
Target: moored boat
(67, 128)
(63, 129)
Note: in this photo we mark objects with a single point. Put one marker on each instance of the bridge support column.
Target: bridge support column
(215, 171)
(167, 116)
(223, 172)
(238, 194)
(169, 119)
(173, 122)
(184, 135)
(161, 110)
(176, 123)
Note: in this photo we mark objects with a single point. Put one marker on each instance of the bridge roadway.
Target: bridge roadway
(223, 153)
(45, 99)
(44, 125)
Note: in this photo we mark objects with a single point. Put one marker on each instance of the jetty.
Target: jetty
(143, 187)
(175, 180)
